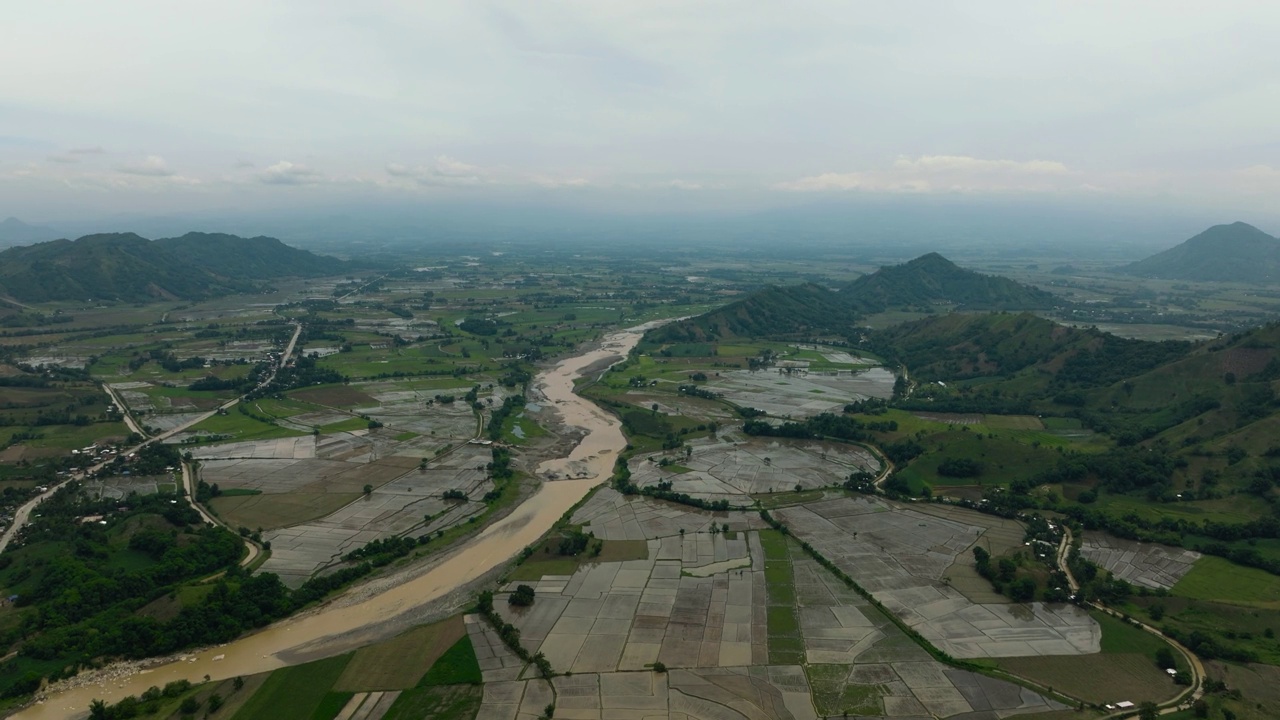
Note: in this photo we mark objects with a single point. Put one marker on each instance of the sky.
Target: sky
(134, 106)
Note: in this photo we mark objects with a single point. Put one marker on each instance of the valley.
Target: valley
(624, 486)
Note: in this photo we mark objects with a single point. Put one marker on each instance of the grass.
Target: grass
(1105, 678)
(399, 663)
(542, 563)
(835, 697)
(457, 666)
(1217, 579)
(1119, 637)
(294, 693)
(455, 702)
(241, 427)
(274, 510)
(331, 704)
(786, 647)
(769, 501)
(347, 425)
(406, 435)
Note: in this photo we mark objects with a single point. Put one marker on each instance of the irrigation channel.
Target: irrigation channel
(590, 463)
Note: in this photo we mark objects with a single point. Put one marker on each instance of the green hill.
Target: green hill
(127, 267)
(1049, 356)
(932, 279)
(1235, 252)
(794, 310)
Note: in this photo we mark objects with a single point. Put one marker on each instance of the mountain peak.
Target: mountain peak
(932, 279)
(1230, 252)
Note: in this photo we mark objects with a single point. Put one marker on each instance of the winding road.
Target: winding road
(1184, 700)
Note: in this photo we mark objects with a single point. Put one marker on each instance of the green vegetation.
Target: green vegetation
(457, 666)
(1229, 253)
(1219, 580)
(931, 279)
(786, 647)
(449, 701)
(129, 268)
(298, 692)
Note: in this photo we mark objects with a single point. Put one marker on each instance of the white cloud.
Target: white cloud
(92, 150)
(970, 165)
(945, 173)
(288, 173)
(679, 184)
(63, 159)
(152, 165)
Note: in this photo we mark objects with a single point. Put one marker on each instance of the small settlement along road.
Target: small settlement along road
(1182, 701)
(23, 513)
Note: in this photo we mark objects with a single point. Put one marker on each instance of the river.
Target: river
(589, 463)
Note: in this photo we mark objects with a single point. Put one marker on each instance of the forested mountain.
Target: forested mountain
(931, 279)
(794, 310)
(127, 267)
(958, 346)
(1235, 252)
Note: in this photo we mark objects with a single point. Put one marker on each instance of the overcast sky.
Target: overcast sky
(154, 106)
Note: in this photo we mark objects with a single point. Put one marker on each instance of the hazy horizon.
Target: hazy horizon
(138, 109)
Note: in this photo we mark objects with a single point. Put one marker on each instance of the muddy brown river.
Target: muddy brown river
(589, 464)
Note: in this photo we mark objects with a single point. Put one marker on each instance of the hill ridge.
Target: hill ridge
(128, 267)
(1236, 251)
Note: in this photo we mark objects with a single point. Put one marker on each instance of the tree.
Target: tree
(659, 667)
(189, 706)
(1165, 659)
(1148, 711)
(522, 597)
(368, 489)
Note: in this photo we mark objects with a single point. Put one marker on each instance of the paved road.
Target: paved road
(23, 514)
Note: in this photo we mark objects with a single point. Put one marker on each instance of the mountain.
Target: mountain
(931, 279)
(15, 232)
(793, 310)
(1238, 251)
(127, 267)
(960, 346)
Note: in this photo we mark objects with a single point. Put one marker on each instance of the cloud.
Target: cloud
(444, 171)
(288, 173)
(152, 165)
(244, 165)
(945, 173)
(92, 150)
(63, 159)
(966, 164)
(551, 182)
(679, 184)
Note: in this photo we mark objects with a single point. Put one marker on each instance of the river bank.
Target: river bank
(349, 620)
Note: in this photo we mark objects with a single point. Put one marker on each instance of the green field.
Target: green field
(1217, 579)
(457, 666)
(295, 693)
(241, 427)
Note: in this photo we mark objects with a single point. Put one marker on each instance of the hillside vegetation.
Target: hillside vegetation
(1238, 252)
(932, 279)
(127, 267)
(809, 310)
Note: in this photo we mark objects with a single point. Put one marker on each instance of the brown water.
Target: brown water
(591, 461)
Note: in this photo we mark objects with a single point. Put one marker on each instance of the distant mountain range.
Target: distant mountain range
(15, 232)
(1236, 252)
(127, 267)
(808, 310)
